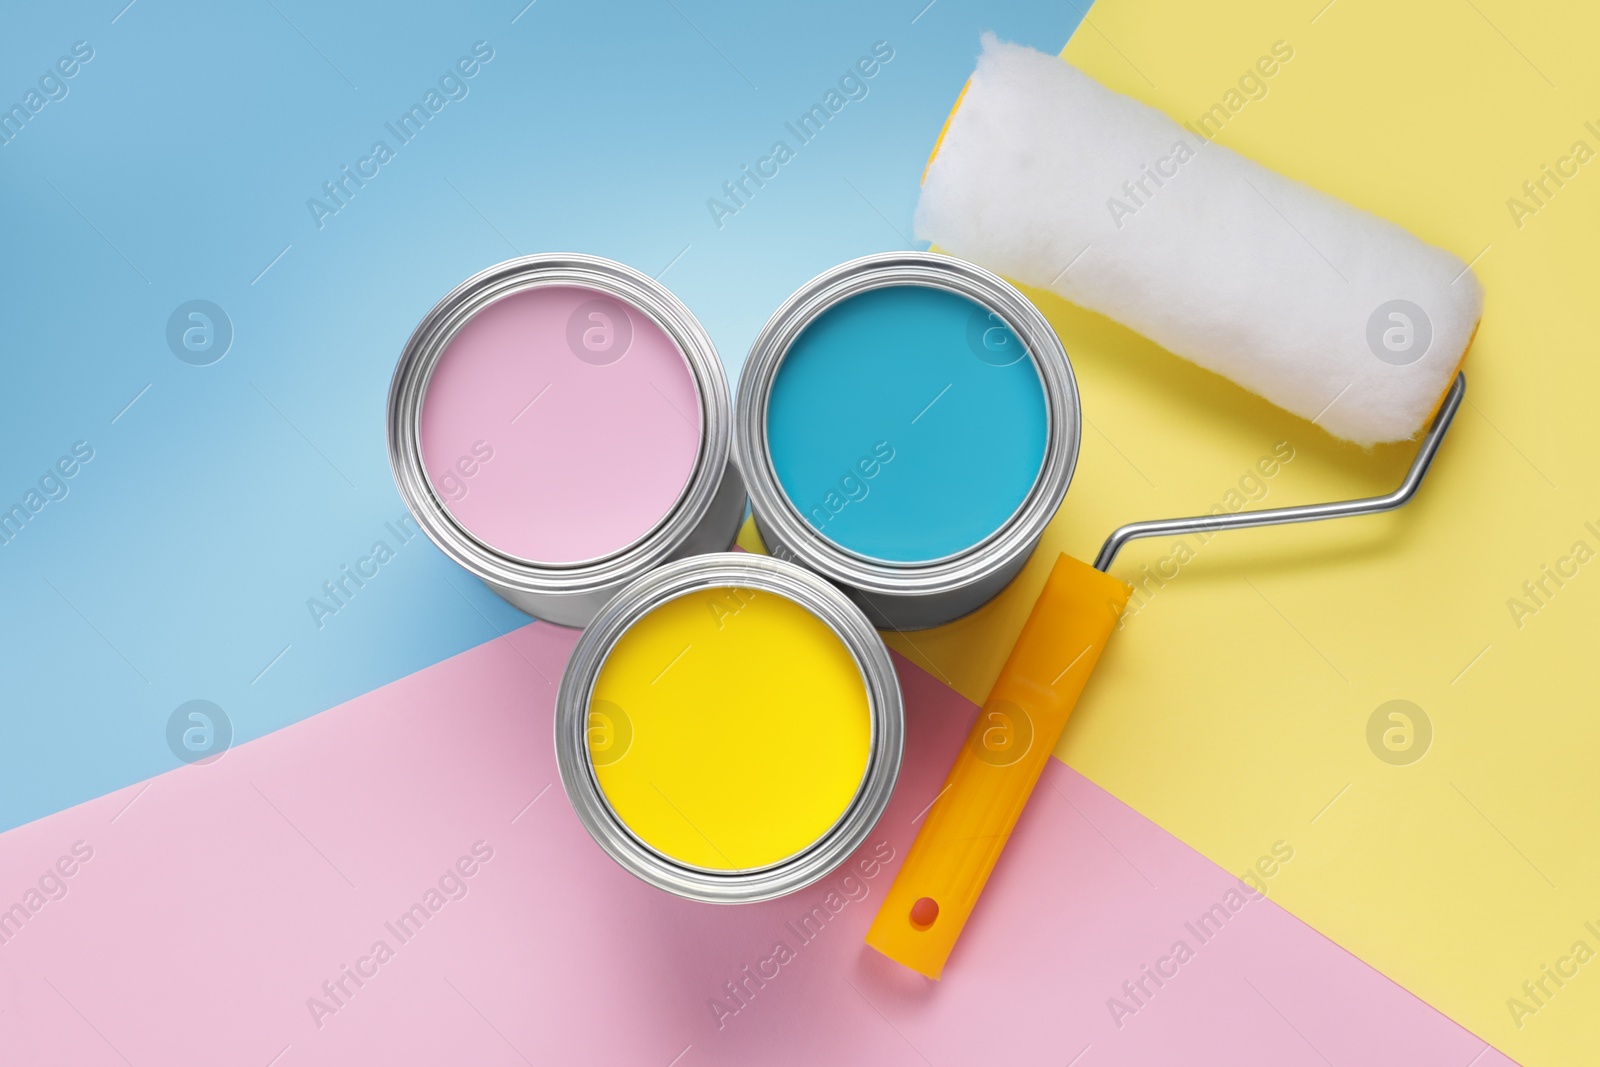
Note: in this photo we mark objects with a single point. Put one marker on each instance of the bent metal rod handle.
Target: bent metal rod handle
(994, 774)
(1341, 509)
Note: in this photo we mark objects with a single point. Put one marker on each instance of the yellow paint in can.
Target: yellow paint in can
(729, 728)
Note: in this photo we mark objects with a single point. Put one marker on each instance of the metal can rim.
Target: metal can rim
(885, 703)
(427, 344)
(1012, 539)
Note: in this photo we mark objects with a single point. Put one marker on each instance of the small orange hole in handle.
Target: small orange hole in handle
(924, 913)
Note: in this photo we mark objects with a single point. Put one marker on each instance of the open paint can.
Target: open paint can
(729, 728)
(907, 424)
(559, 425)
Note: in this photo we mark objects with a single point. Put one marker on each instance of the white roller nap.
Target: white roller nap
(1050, 178)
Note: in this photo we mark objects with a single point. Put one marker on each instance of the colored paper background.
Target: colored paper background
(1233, 707)
(1232, 711)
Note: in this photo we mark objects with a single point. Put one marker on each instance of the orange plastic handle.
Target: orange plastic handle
(995, 772)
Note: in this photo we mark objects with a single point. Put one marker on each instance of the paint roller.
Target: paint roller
(1046, 176)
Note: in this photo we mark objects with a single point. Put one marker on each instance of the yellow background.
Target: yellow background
(1233, 708)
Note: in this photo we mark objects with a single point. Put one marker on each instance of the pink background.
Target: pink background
(220, 897)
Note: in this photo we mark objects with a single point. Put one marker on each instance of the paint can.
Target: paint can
(560, 424)
(729, 728)
(907, 424)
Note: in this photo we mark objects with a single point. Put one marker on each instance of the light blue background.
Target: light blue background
(179, 165)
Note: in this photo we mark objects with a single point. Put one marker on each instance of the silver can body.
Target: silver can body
(708, 512)
(742, 571)
(899, 595)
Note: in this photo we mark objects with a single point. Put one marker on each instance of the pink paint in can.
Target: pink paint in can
(559, 424)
